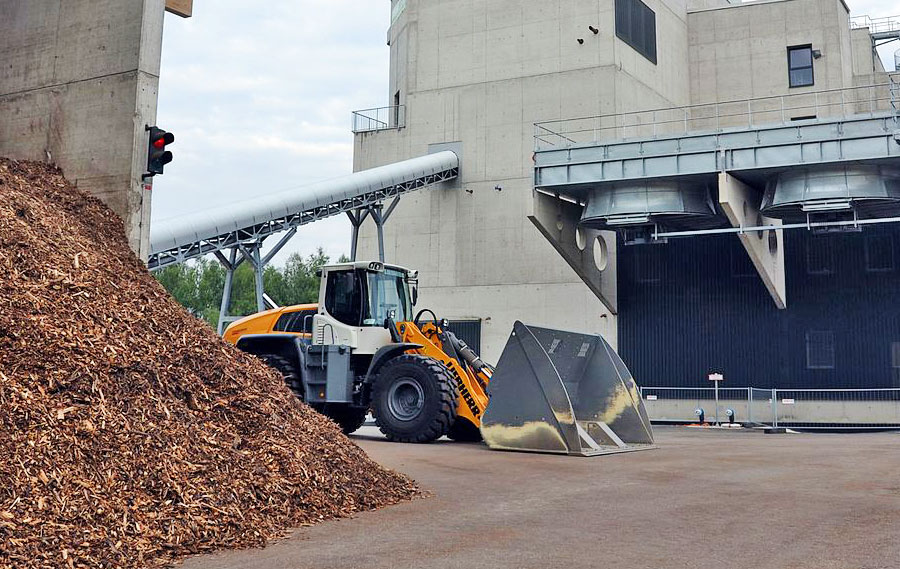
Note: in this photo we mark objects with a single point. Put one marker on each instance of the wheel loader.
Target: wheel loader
(362, 349)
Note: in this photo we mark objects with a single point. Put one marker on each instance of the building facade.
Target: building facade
(476, 76)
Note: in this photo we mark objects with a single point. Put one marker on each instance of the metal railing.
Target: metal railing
(884, 25)
(862, 101)
(382, 118)
(801, 408)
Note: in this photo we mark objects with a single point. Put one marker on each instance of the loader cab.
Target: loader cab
(355, 301)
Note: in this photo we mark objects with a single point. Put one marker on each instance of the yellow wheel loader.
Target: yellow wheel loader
(361, 349)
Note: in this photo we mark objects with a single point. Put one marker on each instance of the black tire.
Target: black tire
(348, 418)
(414, 399)
(463, 431)
(288, 371)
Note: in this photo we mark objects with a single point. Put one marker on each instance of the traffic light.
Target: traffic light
(157, 155)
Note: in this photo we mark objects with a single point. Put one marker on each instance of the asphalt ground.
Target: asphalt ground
(703, 499)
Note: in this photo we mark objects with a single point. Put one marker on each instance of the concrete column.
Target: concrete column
(77, 87)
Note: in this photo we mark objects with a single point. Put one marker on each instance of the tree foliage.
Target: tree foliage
(198, 285)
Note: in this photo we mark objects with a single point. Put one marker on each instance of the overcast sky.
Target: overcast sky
(259, 97)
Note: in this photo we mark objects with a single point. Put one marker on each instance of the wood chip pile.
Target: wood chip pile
(130, 435)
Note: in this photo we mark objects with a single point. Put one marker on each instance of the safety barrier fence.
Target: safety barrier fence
(851, 102)
(801, 408)
(382, 118)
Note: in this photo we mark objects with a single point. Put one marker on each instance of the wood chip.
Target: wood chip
(131, 435)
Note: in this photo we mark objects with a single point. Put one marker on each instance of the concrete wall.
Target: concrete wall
(482, 73)
(739, 51)
(78, 83)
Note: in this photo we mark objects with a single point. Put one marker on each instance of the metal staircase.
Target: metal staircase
(895, 103)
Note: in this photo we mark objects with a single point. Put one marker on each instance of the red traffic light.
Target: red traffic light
(158, 156)
(162, 139)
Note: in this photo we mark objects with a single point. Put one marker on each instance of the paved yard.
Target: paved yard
(704, 499)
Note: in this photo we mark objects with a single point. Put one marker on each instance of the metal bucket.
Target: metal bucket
(563, 392)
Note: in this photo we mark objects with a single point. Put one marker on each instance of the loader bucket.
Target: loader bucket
(563, 392)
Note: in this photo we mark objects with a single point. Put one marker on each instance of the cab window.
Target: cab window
(343, 297)
(387, 296)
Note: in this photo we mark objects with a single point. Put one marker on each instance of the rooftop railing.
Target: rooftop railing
(382, 118)
(870, 100)
(883, 25)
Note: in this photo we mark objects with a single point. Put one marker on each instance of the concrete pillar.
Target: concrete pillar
(78, 84)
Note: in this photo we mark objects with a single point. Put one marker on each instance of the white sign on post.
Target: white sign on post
(716, 377)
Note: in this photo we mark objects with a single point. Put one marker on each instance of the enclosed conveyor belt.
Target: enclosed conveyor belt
(185, 237)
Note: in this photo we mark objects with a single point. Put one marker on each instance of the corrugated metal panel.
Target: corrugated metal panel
(686, 308)
(469, 331)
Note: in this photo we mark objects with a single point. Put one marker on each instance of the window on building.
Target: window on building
(879, 253)
(636, 26)
(819, 255)
(820, 349)
(800, 66)
(396, 111)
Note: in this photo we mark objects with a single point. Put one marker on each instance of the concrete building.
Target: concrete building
(476, 76)
(78, 85)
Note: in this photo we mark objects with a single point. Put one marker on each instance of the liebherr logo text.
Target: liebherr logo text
(467, 397)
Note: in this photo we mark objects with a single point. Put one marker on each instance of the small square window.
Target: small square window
(800, 66)
(879, 253)
(820, 349)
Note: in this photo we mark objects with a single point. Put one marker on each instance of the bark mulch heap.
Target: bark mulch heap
(130, 434)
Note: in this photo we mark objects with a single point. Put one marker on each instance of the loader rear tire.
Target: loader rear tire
(414, 399)
(288, 372)
(464, 431)
(349, 419)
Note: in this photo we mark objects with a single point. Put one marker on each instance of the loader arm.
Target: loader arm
(472, 380)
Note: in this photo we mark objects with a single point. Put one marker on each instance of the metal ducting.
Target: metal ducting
(863, 190)
(643, 202)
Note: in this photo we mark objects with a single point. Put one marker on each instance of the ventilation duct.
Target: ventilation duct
(863, 191)
(688, 205)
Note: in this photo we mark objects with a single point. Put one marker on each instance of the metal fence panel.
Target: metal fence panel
(801, 408)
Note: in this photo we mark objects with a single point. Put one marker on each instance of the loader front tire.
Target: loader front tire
(414, 399)
(288, 371)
